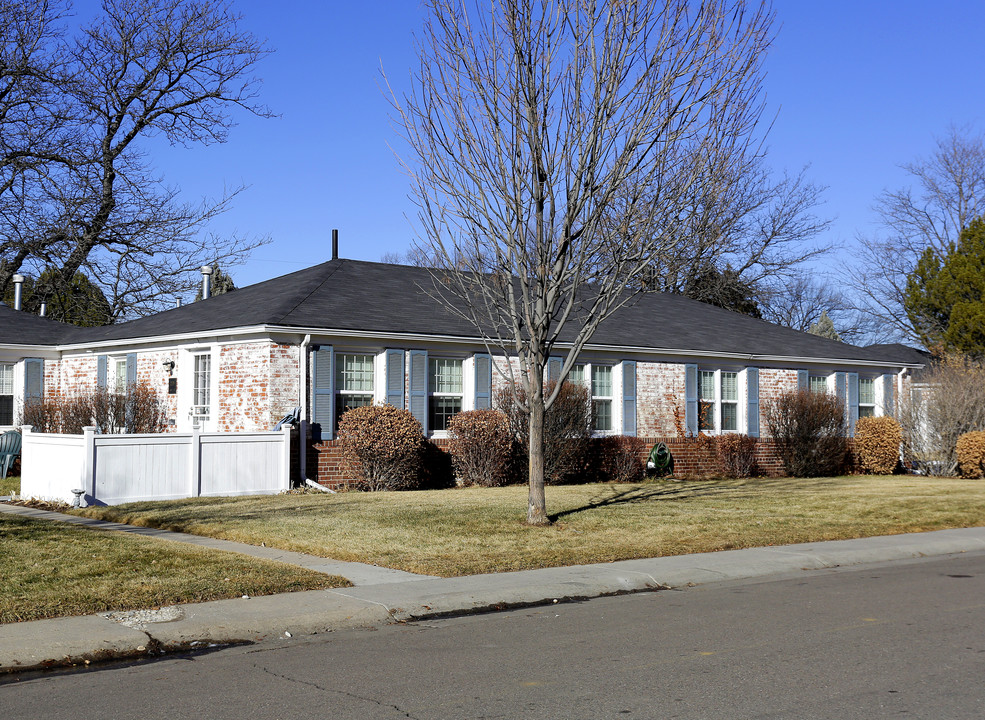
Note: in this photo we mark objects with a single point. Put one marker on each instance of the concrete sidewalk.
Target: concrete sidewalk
(73, 641)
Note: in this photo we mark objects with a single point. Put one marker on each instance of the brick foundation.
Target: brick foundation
(691, 457)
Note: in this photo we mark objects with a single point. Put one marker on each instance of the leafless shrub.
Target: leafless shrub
(809, 430)
(736, 455)
(948, 402)
(618, 458)
(567, 428)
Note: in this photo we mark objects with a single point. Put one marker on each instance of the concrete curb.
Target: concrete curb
(75, 641)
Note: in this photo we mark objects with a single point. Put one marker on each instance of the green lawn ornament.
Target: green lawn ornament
(660, 461)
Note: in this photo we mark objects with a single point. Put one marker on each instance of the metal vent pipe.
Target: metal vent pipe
(335, 244)
(206, 282)
(18, 286)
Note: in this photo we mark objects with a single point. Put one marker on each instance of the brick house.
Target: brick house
(346, 333)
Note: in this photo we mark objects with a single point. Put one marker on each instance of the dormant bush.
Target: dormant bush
(138, 410)
(481, 447)
(567, 428)
(809, 430)
(736, 455)
(877, 444)
(949, 402)
(617, 458)
(382, 447)
(971, 454)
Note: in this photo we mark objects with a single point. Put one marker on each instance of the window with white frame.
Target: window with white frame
(602, 394)
(445, 391)
(818, 384)
(6, 394)
(201, 385)
(866, 397)
(729, 400)
(353, 382)
(718, 401)
(120, 375)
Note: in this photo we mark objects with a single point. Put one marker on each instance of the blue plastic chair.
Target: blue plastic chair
(10, 449)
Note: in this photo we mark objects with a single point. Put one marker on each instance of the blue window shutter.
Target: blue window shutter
(131, 370)
(691, 398)
(889, 394)
(395, 378)
(419, 387)
(33, 380)
(803, 380)
(852, 402)
(554, 366)
(483, 381)
(101, 363)
(629, 397)
(752, 398)
(323, 385)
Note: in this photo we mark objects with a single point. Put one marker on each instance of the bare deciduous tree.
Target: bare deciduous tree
(949, 193)
(555, 148)
(85, 198)
(947, 401)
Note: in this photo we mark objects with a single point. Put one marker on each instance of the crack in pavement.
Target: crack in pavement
(344, 693)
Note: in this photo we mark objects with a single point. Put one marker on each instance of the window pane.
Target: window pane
(349, 401)
(706, 385)
(577, 374)
(866, 391)
(866, 411)
(354, 373)
(601, 381)
(730, 387)
(602, 413)
(441, 410)
(120, 375)
(6, 409)
(730, 415)
(6, 380)
(446, 376)
(202, 380)
(819, 384)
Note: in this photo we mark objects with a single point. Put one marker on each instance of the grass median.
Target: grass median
(468, 531)
(49, 569)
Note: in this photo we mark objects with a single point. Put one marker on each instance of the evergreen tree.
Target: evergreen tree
(220, 284)
(79, 302)
(945, 296)
(825, 327)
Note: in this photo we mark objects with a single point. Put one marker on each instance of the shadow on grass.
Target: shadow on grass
(637, 494)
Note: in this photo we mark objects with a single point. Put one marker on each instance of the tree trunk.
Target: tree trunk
(537, 504)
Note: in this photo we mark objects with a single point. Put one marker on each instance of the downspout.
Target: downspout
(303, 423)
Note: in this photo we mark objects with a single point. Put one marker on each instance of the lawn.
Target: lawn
(49, 569)
(10, 486)
(467, 531)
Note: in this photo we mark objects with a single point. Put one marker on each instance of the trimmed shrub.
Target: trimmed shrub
(877, 444)
(381, 446)
(736, 455)
(617, 458)
(139, 410)
(567, 429)
(971, 454)
(809, 430)
(481, 447)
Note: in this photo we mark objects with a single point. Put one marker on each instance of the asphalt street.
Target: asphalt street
(902, 639)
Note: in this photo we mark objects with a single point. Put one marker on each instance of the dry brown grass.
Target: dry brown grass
(467, 531)
(50, 569)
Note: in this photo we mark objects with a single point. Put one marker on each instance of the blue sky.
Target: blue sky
(859, 87)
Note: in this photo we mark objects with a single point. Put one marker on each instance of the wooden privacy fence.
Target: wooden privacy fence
(113, 469)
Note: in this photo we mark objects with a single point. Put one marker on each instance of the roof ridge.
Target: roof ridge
(313, 290)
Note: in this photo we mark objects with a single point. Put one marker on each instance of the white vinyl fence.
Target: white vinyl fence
(114, 469)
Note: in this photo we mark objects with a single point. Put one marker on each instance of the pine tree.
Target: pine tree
(824, 327)
(945, 297)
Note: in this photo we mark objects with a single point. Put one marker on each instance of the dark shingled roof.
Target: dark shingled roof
(23, 328)
(365, 296)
